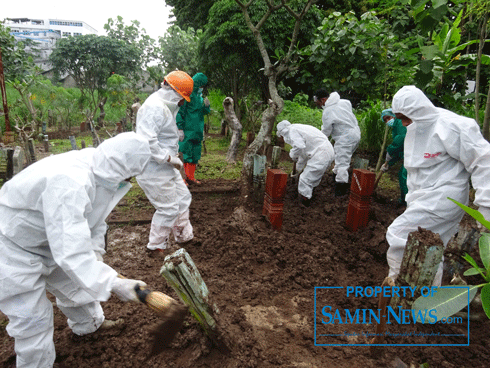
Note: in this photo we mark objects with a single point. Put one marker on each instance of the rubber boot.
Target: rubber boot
(187, 173)
(190, 178)
(341, 189)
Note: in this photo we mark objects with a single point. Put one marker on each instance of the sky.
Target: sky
(153, 15)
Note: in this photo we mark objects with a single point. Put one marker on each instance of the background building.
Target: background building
(40, 35)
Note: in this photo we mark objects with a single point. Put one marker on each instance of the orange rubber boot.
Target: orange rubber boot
(190, 177)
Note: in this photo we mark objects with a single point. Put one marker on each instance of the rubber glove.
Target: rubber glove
(206, 102)
(388, 157)
(175, 162)
(485, 211)
(99, 257)
(181, 135)
(300, 164)
(124, 289)
(385, 167)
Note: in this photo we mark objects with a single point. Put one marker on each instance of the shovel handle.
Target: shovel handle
(377, 180)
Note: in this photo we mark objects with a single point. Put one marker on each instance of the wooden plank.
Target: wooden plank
(181, 273)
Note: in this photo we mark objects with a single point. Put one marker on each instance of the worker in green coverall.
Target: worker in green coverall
(190, 121)
(394, 152)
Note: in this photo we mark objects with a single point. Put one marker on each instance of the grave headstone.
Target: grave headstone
(73, 142)
(18, 160)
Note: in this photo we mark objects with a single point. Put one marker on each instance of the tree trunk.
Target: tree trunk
(483, 32)
(100, 120)
(271, 72)
(385, 138)
(235, 127)
(486, 119)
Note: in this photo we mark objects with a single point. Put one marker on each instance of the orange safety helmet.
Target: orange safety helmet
(181, 82)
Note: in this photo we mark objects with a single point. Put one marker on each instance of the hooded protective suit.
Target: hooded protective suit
(340, 122)
(311, 150)
(52, 225)
(161, 182)
(442, 151)
(190, 119)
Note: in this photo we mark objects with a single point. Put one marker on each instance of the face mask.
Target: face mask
(172, 99)
(200, 90)
(390, 122)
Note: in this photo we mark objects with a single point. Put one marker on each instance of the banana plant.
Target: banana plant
(448, 301)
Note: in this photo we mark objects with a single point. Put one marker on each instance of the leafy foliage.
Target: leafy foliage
(190, 14)
(133, 35)
(178, 50)
(355, 56)
(297, 113)
(449, 301)
(92, 59)
(16, 62)
(372, 128)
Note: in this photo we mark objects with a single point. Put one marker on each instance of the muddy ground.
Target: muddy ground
(263, 282)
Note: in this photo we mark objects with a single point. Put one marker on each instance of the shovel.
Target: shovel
(380, 174)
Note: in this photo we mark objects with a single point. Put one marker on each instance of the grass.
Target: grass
(64, 145)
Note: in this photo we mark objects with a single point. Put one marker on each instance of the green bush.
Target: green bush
(298, 113)
(372, 128)
(217, 112)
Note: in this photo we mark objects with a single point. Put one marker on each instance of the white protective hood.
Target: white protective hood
(414, 104)
(442, 151)
(111, 165)
(48, 209)
(156, 122)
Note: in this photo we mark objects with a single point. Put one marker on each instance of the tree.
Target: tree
(16, 62)
(192, 13)
(238, 72)
(285, 63)
(178, 50)
(481, 10)
(134, 35)
(91, 60)
(356, 56)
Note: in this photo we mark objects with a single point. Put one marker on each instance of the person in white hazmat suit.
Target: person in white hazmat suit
(339, 122)
(161, 180)
(52, 231)
(312, 152)
(442, 152)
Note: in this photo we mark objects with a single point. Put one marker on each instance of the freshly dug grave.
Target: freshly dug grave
(263, 283)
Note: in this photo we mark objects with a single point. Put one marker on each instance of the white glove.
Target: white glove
(385, 167)
(388, 157)
(181, 135)
(99, 257)
(124, 289)
(175, 162)
(206, 102)
(485, 211)
(300, 164)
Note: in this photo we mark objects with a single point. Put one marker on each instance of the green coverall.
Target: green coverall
(395, 150)
(190, 119)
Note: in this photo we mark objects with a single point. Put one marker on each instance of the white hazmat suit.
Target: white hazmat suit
(340, 122)
(162, 183)
(442, 151)
(51, 229)
(311, 150)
